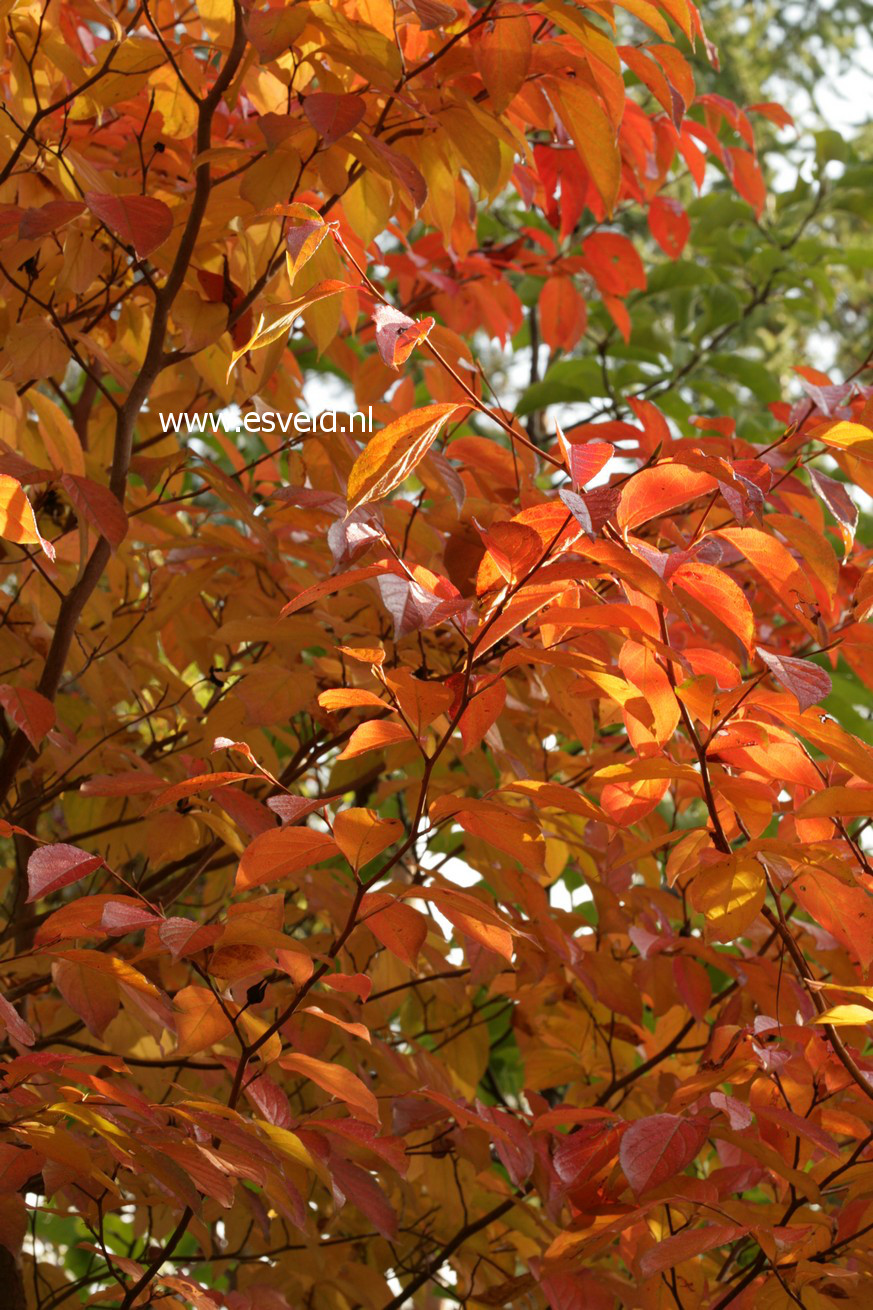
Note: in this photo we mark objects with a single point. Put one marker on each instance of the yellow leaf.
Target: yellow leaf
(57, 435)
(855, 438)
(253, 1027)
(827, 804)
(730, 895)
(593, 136)
(177, 108)
(393, 453)
(842, 1015)
(276, 321)
(287, 1143)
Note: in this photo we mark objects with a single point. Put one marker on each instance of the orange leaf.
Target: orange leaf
(502, 50)
(200, 1021)
(481, 714)
(717, 592)
(361, 835)
(374, 736)
(17, 519)
(277, 320)
(328, 586)
(280, 852)
(192, 786)
(339, 1082)
(845, 911)
(397, 926)
(654, 491)
(856, 802)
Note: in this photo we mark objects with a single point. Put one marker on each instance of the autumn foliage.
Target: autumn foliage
(433, 873)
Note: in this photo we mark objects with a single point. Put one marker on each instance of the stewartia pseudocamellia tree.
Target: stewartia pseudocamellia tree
(432, 876)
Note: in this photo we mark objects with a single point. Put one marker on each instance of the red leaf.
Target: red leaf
(333, 116)
(291, 809)
(613, 263)
(747, 178)
(140, 221)
(52, 867)
(686, 1245)
(302, 239)
(580, 1155)
(403, 169)
(48, 218)
(838, 501)
(29, 711)
(126, 915)
(412, 606)
(133, 782)
(563, 313)
(15, 1026)
(350, 1182)
(185, 937)
(775, 113)
(586, 459)
(806, 681)
(659, 1147)
(577, 507)
(513, 1142)
(101, 508)
(669, 225)
(270, 1101)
